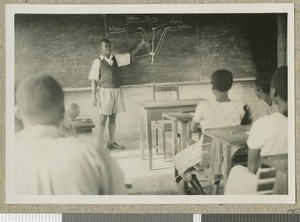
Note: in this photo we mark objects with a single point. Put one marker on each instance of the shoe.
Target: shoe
(115, 146)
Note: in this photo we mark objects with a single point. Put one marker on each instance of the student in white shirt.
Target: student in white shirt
(268, 136)
(264, 106)
(210, 114)
(48, 161)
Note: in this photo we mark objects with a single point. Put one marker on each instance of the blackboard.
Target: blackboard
(181, 47)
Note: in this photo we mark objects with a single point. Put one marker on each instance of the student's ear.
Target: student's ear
(273, 95)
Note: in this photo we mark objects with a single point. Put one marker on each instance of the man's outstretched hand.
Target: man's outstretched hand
(95, 102)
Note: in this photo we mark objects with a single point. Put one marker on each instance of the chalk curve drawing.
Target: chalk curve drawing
(152, 50)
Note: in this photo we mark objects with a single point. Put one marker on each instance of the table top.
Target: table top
(182, 117)
(169, 103)
(232, 135)
(280, 162)
(83, 123)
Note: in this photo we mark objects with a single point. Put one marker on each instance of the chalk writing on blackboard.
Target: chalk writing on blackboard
(150, 50)
(137, 19)
(116, 29)
(178, 25)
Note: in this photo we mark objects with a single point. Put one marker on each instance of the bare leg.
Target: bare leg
(112, 127)
(102, 121)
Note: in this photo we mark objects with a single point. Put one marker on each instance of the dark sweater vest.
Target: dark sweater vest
(108, 74)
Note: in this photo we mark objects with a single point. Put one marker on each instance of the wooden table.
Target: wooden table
(152, 111)
(225, 141)
(182, 119)
(83, 125)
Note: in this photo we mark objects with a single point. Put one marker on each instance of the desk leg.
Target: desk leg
(183, 144)
(175, 151)
(149, 142)
(226, 162)
(216, 165)
(183, 135)
(142, 137)
(174, 137)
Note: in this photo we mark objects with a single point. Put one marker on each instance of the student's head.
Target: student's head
(279, 84)
(39, 100)
(105, 47)
(262, 86)
(221, 80)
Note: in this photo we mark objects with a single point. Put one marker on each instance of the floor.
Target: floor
(159, 181)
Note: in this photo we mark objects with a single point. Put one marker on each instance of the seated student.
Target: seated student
(264, 106)
(268, 136)
(210, 114)
(47, 160)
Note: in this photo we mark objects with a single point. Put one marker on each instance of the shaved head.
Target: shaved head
(40, 100)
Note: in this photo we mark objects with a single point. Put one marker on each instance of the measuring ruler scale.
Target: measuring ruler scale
(149, 217)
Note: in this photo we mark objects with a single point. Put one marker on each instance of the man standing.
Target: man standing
(104, 72)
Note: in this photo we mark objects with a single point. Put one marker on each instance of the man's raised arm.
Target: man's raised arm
(137, 48)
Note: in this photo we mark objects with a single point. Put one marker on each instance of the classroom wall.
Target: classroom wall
(128, 122)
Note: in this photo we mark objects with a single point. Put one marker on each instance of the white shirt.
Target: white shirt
(213, 114)
(260, 108)
(209, 114)
(269, 133)
(122, 60)
(47, 162)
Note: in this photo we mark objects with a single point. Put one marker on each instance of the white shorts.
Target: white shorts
(111, 100)
(188, 157)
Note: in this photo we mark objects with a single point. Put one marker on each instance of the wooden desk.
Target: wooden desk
(280, 162)
(152, 111)
(225, 141)
(182, 119)
(83, 125)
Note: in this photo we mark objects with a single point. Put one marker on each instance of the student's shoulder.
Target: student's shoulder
(202, 106)
(204, 103)
(236, 103)
(263, 121)
(237, 106)
(97, 61)
(78, 146)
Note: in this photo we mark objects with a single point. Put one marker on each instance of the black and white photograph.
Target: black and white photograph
(150, 104)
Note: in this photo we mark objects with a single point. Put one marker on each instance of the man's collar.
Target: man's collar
(39, 131)
(103, 57)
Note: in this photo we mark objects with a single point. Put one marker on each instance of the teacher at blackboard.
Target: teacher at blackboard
(104, 72)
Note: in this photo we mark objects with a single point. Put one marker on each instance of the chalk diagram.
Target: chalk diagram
(153, 51)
